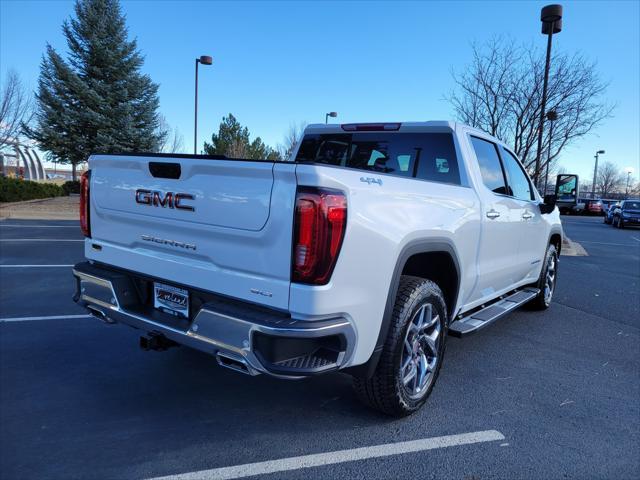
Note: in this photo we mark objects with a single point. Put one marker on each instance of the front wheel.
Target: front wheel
(412, 353)
(547, 281)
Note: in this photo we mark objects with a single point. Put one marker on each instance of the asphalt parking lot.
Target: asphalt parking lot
(543, 395)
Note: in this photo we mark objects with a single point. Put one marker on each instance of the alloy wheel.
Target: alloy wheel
(550, 279)
(420, 351)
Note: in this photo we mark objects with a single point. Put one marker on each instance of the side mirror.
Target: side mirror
(567, 188)
(549, 204)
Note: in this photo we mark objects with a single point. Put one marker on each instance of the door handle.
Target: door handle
(527, 215)
(492, 214)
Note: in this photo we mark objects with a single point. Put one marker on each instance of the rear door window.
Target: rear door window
(490, 166)
(428, 156)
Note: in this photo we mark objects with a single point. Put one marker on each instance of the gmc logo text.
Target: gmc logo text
(167, 200)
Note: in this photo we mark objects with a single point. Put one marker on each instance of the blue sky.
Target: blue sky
(281, 62)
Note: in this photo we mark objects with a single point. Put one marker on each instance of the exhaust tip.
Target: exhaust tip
(227, 361)
(100, 315)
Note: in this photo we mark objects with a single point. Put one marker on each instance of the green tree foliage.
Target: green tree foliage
(17, 190)
(233, 140)
(97, 100)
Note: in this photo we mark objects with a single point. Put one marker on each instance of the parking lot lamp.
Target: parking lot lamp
(595, 174)
(330, 114)
(551, 17)
(205, 60)
(552, 116)
(629, 172)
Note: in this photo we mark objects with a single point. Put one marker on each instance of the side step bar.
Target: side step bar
(479, 319)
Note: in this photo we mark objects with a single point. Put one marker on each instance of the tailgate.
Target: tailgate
(218, 225)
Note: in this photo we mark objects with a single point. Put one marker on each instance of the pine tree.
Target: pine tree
(97, 100)
(233, 140)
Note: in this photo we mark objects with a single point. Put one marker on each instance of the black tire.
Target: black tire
(543, 300)
(385, 391)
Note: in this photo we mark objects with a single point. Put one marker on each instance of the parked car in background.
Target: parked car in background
(591, 207)
(608, 213)
(578, 208)
(626, 214)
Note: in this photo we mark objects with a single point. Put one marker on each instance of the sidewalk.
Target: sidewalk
(57, 208)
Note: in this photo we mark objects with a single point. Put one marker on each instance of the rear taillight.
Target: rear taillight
(85, 224)
(320, 221)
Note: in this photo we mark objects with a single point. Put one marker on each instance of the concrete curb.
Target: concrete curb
(572, 249)
(54, 208)
(23, 202)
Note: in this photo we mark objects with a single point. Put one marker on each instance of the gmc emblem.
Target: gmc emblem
(167, 200)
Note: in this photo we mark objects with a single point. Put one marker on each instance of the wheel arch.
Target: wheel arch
(555, 239)
(421, 258)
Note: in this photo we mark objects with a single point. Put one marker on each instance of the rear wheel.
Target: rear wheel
(547, 281)
(412, 353)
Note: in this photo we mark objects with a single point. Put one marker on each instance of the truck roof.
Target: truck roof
(431, 125)
(331, 127)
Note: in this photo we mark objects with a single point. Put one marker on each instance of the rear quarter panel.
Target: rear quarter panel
(381, 221)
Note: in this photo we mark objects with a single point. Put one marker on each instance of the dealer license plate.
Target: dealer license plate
(170, 299)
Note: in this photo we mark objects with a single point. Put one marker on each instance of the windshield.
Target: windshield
(631, 206)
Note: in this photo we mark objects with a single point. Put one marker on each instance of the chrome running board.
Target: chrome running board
(478, 319)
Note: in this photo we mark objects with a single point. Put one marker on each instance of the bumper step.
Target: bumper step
(316, 361)
(479, 319)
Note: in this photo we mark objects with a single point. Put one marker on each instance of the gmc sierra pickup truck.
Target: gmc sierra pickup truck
(360, 254)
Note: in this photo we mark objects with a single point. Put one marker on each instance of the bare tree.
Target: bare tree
(177, 142)
(15, 109)
(291, 139)
(237, 149)
(610, 179)
(172, 139)
(501, 92)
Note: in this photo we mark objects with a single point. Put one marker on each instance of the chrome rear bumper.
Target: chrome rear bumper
(243, 338)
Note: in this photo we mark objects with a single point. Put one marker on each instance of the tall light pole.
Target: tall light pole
(205, 60)
(551, 17)
(552, 116)
(330, 114)
(629, 172)
(595, 174)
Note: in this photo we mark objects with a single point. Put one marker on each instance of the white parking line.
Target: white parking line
(340, 456)
(52, 317)
(38, 226)
(39, 240)
(608, 243)
(34, 266)
(636, 239)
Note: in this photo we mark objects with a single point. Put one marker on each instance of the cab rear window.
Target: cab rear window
(427, 156)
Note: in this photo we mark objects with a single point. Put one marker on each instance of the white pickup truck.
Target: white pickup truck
(360, 254)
